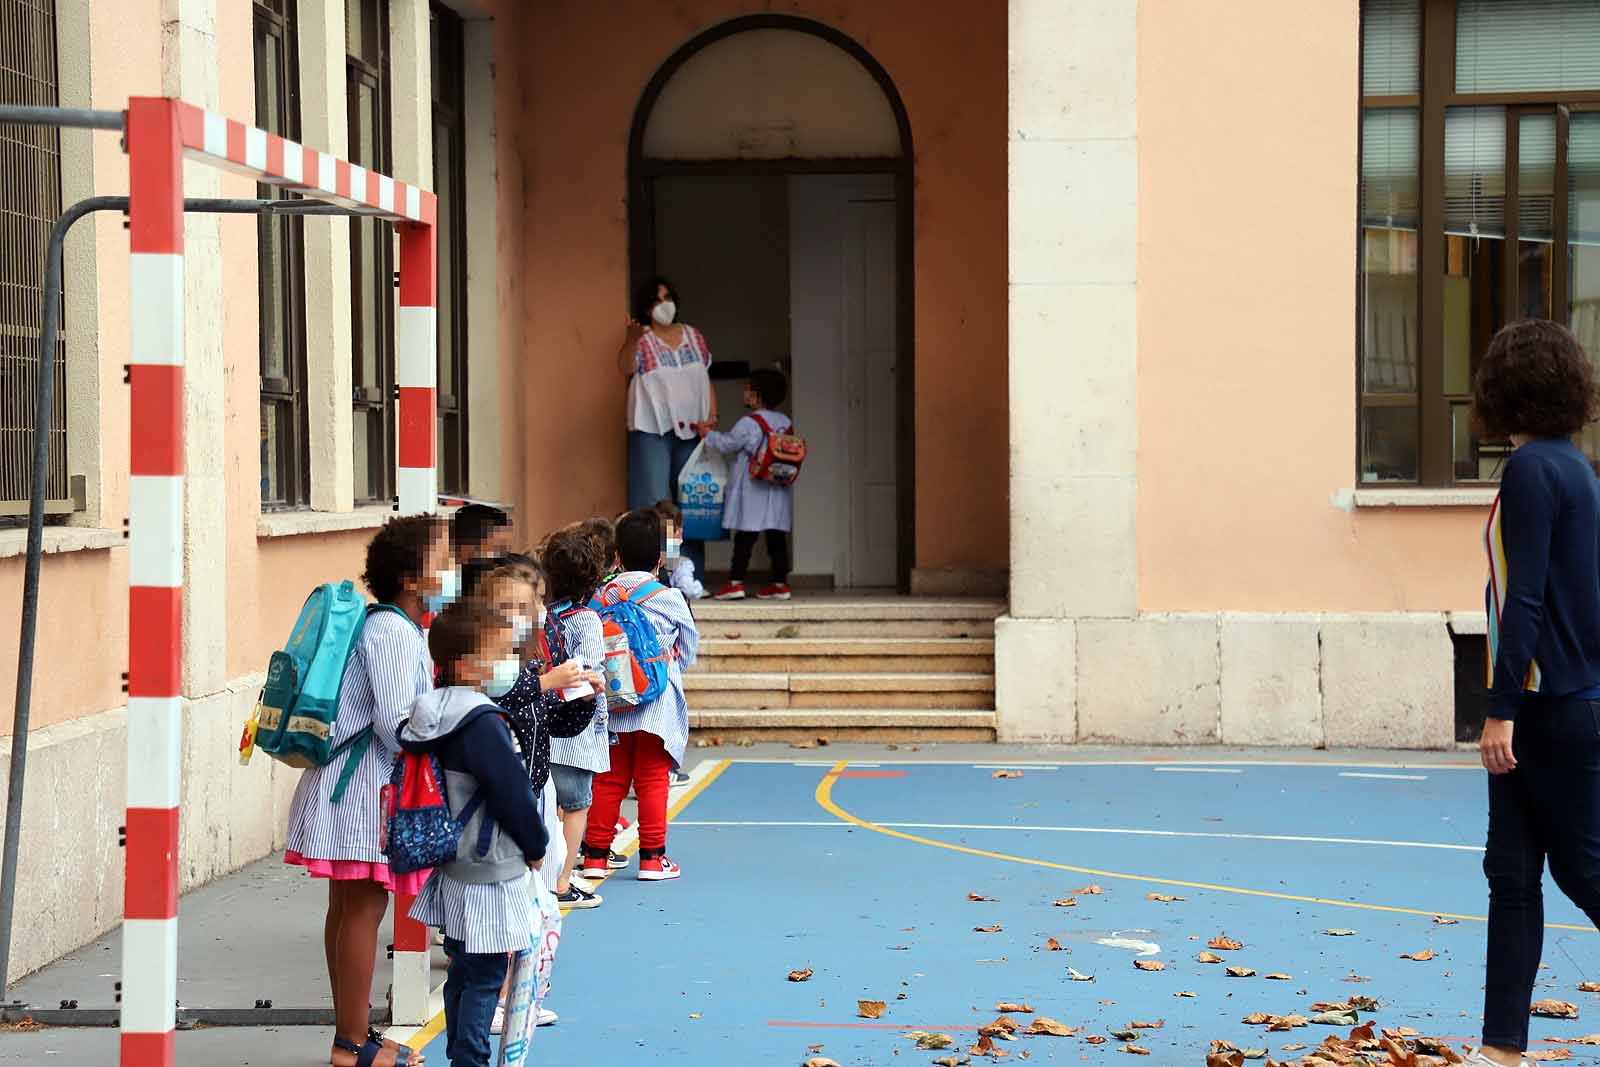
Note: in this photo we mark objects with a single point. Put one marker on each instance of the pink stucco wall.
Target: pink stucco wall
(582, 69)
(1247, 258)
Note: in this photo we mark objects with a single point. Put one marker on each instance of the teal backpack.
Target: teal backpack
(293, 720)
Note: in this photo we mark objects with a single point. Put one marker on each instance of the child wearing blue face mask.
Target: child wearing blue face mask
(480, 901)
(408, 567)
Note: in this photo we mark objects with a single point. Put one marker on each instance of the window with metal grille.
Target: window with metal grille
(371, 254)
(30, 201)
(449, 180)
(285, 460)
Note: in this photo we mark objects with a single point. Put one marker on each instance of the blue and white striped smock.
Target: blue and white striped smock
(668, 717)
(492, 917)
(590, 750)
(389, 668)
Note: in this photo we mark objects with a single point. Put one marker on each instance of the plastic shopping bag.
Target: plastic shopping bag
(702, 485)
(530, 977)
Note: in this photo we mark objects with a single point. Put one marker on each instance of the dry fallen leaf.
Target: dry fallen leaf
(1241, 972)
(1555, 1009)
(1586, 1039)
(1068, 902)
(1235, 1058)
(1335, 1018)
(952, 1061)
(1362, 1003)
(813, 1049)
(1079, 976)
(1158, 1024)
(995, 929)
(979, 897)
(1162, 898)
(1184, 993)
(1421, 957)
(802, 744)
(1006, 1005)
(1053, 945)
(1589, 987)
(1046, 1025)
(1124, 1035)
(1224, 943)
(1006, 774)
(1548, 1055)
(1002, 1025)
(1096, 1039)
(1440, 920)
(870, 1009)
(1292, 1048)
(1136, 1050)
(1089, 891)
(1276, 977)
(935, 1041)
(1258, 1018)
(1208, 957)
(820, 1061)
(1358, 978)
(1253, 1053)
(695, 1015)
(801, 975)
(1339, 932)
(1150, 965)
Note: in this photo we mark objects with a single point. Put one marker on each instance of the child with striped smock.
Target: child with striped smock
(650, 737)
(480, 901)
(573, 566)
(334, 820)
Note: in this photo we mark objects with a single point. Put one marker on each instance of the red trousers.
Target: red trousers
(638, 759)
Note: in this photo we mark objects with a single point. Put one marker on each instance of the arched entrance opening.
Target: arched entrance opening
(770, 177)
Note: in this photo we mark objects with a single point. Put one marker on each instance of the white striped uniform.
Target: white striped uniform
(590, 750)
(668, 717)
(492, 917)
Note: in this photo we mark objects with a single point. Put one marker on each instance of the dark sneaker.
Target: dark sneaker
(616, 861)
(677, 780)
(579, 898)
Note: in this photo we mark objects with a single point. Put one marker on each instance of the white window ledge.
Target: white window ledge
(1468, 622)
(61, 539)
(299, 523)
(1424, 498)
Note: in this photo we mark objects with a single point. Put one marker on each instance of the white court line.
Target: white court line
(1392, 777)
(1199, 770)
(1292, 838)
(829, 763)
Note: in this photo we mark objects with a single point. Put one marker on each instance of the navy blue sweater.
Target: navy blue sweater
(1549, 519)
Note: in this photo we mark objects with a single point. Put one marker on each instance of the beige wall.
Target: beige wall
(1247, 405)
(948, 61)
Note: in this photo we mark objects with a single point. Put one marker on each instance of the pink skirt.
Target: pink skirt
(359, 871)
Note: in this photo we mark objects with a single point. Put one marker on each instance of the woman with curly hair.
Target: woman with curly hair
(1541, 742)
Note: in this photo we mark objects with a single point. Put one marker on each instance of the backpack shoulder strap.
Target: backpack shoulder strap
(648, 590)
(761, 422)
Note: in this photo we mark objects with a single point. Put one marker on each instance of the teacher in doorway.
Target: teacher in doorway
(667, 365)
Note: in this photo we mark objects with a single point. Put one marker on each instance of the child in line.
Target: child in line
(479, 901)
(573, 568)
(408, 569)
(651, 737)
(753, 507)
(480, 531)
(679, 571)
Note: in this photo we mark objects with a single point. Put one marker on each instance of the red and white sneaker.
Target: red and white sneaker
(658, 869)
(775, 591)
(595, 866)
(731, 591)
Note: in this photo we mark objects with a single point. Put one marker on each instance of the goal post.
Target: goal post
(160, 133)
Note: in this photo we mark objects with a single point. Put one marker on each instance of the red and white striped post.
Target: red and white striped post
(155, 583)
(416, 373)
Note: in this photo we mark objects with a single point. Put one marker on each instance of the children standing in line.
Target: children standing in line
(573, 568)
(408, 569)
(753, 507)
(651, 736)
(481, 900)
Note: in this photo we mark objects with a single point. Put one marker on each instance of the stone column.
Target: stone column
(1073, 152)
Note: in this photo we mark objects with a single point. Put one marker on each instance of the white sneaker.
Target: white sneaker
(582, 883)
(499, 1024)
(1478, 1059)
(547, 1017)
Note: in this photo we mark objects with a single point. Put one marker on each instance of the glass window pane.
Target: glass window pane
(1475, 253)
(1583, 235)
(1388, 264)
(1536, 186)
(1391, 32)
(369, 278)
(1527, 45)
(271, 476)
(444, 185)
(274, 343)
(360, 437)
(1472, 459)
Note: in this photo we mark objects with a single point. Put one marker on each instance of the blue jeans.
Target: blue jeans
(1546, 809)
(654, 463)
(471, 991)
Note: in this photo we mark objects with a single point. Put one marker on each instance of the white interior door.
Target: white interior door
(869, 335)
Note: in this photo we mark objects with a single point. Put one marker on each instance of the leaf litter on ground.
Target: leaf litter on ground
(1224, 943)
(1022, 1008)
(1052, 945)
(994, 928)
(1046, 1025)
(870, 1009)
(1149, 965)
(980, 898)
(1078, 976)
(1555, 1009)
(1006, 774)
(802, 975)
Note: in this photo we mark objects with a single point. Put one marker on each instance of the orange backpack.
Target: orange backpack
(779, 458)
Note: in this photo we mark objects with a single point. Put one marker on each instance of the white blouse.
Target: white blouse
(670, 389)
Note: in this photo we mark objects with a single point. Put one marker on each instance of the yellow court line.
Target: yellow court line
(435, 1025)
(824, 798)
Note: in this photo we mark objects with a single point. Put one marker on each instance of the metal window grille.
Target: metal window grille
(371, 255)
(30, 201)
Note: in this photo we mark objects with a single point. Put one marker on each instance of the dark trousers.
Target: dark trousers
(744, 544)
(471, 992)
(1549, 807)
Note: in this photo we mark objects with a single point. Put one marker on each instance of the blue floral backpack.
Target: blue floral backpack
(419, 831)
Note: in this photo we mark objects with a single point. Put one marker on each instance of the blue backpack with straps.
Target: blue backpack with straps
(418, 830)
(635, 663)
(294, 718)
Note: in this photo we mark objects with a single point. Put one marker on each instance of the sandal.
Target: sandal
(367, 1054)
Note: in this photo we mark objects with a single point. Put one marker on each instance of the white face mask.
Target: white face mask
(504, 677)
(449, 590)
(664, 313)
(521, 627)
(543, 615)
(674, 548)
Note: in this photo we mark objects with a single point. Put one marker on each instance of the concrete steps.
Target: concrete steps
(845, 669)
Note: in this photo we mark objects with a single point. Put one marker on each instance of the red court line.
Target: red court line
(867, 1026)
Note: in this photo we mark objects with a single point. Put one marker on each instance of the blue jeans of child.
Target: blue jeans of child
(1548, 808)
(654, 462)
(471, 992)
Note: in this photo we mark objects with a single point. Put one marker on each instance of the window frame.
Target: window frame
(449, 111)
(1435, 97)
(380, 396)
(278, 19)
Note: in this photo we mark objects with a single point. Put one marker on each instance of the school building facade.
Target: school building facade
(1114, 313)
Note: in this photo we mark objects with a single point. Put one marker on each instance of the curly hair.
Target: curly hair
(602, 533)
(573, 566)
(1535, 379)
(397, 552)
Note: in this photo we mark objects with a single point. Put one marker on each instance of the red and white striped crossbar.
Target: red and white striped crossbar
(160, 133)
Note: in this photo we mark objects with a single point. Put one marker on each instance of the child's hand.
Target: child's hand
(563, 677)
(536, 865)
(704, 428)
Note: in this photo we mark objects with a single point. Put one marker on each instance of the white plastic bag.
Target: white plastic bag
(702, 486)
(530, 977)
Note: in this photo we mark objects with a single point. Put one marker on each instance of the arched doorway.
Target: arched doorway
(770, 176)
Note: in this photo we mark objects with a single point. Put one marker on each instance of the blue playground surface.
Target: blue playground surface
(862, 873)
